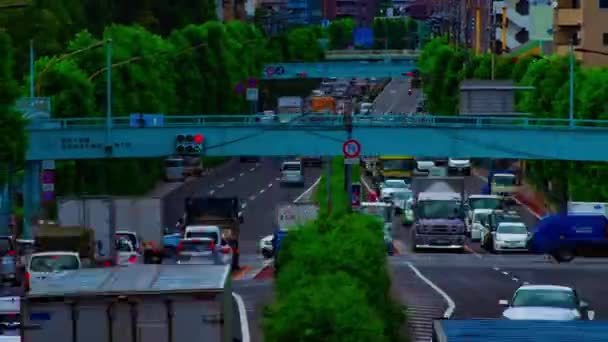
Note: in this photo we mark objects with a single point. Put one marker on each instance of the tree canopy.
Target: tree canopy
(549, 77)
(326, 264)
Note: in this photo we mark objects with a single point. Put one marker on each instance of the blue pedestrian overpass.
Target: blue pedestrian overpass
(233, 135)
(294, 134)
(390, 68)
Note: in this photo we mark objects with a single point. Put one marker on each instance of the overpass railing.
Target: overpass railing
(328, 121)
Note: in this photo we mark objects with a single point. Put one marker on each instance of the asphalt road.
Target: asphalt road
(394, 98)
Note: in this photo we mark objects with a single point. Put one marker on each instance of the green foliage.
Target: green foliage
(13, 140)
(340, 199)
(325, 265)
(549, 98)
(399, 33)
(192, 71)
(341, 33)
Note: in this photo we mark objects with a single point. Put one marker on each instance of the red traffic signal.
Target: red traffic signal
(410, 74)
(198, 139)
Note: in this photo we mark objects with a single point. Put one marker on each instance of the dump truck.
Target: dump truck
(223, 212)
(439, 213)
(152, 303)
(323, 104)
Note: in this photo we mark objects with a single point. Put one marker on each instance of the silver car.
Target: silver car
(292, 173)
(546, 302)
(202, 251)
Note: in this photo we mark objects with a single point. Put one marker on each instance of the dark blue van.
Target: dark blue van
(566, 236)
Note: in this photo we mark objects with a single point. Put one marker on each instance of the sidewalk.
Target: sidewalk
(527, 196)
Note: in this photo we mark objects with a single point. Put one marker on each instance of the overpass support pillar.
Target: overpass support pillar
(32, 197)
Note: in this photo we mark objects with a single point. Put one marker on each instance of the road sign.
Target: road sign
(351, 148)
(270, 71)
(279, 70)
(48, 176)
(351, 161)
(325, 23)
(48, 187)
(48, 165)
(239, 88)
(252, 94)
(252, 83)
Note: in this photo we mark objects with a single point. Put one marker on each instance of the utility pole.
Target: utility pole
(32, 92)
(328, 184)
(571, 74)
(492, 38)
(348, 169)
(108, 95)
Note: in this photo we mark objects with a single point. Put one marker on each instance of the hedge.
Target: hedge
(334, 283)
(443, 66)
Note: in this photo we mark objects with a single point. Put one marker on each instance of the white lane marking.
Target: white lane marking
(251, 198)
(252, 169)
(485, 180)
(495, 268)
(307, 191)
(278, 178)
(241, 174)
(505, 273)
(244, 205)
(451, 305)
(270, 185)
(515, 279)
(211, 192)
(242, 317)
(220, 186)
(257, 164)
(262, 191)
(231, 179)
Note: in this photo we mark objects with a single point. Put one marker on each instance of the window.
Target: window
(605, 38)
(603, 4)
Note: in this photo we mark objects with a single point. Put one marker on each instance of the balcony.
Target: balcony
(568, 16)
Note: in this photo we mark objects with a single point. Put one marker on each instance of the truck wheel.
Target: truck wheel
(564, 255)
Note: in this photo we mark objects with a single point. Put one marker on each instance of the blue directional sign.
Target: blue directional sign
(146, 120)
(325, 23)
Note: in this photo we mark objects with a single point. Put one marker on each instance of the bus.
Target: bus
(400, 167)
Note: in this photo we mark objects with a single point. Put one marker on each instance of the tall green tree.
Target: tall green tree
(13, 140)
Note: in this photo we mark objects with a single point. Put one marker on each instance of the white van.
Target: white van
(292, 173)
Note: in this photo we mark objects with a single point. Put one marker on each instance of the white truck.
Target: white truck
(293, 214)
(145, 216)
(151, 303)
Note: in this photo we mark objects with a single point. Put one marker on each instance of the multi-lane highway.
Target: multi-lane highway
(469, 285)
(395, 99)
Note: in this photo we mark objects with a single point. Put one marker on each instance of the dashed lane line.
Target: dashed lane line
(244, 205)
(252, 169)
(251, 198)
(221, 186)
(241, 174)
(231, 179)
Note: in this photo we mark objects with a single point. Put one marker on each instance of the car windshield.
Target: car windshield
(174, 163)
(485, 203)
(439, 210)
(548, 298)
(495, 220)
(291, 167)
(199, 246)
(398, 164)
(205, 235)
(6, 245)
(512, 229)
(402, 195)
(130, 237)
(481, 217)
(395, 184)
(54, 263)
(504, 180)
(123, 245)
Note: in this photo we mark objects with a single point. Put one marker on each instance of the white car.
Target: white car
(47, 265)
(546, 302)
(478, 222)
(126, 254)
(389, 186)
(511, 236)
(265, 246)
(459, 166)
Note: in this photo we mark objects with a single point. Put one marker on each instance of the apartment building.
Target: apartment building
(475, 22)
(304, 12)
(585, 24)
(517, 28)
(362, 11)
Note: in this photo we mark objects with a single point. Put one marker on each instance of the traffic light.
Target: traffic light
(189, 143)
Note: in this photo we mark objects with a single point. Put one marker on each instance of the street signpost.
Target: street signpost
(355, 193)
(351, 149)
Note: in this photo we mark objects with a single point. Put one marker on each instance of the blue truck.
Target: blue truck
(565, 236)
(493, 330)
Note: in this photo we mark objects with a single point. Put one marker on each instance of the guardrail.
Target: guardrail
(370, 52)
(328, 121)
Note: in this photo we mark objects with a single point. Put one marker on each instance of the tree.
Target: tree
(333, 310)
(13, 140)
(341, 33)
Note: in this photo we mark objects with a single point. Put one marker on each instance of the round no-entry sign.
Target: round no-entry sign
(351, 148)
